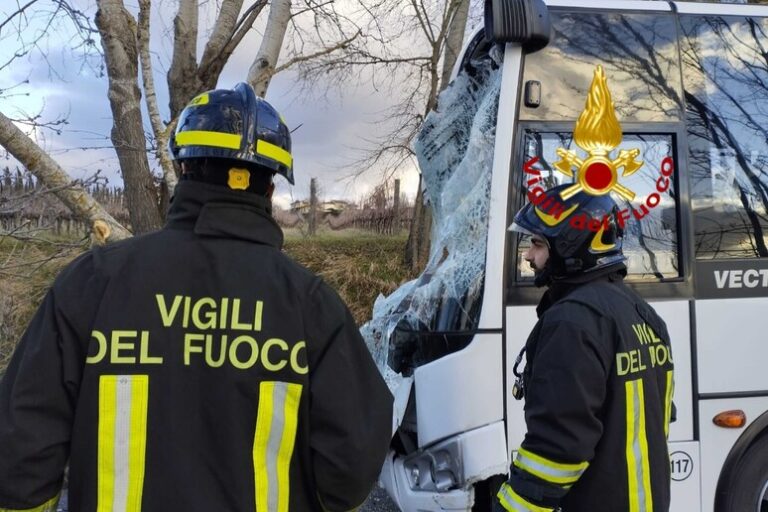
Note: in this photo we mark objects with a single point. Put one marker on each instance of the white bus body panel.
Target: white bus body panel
(613, 5)
(686, 477)
(461, 391)
(520, 322)
(727, 333)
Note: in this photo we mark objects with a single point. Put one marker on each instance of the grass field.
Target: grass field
(357, 264)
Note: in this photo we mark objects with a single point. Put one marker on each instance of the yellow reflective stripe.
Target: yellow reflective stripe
(277, 153)
(122, 439)
(200, 99)
(48, 506)
(513, 502)
(274, 440)
(138, 442)
(549, 470)
(668, 402)
(106, 442)
(204, 138)
(291, 415)
(261, 442)
(644, 452)
(638, 472)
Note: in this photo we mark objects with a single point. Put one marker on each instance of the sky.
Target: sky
(330, 127)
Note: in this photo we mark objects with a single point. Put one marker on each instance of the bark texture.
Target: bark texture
(183, 83)
(118, 39)
(160, 131)
(263, 67)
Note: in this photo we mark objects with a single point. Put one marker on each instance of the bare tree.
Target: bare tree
(126, 43)
(439, 27)
(407, 49)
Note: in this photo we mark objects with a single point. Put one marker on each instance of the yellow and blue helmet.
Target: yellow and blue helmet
(583, 232)
(236, 125)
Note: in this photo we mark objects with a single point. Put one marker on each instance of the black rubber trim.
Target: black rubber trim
(735, 394)
(694, 369)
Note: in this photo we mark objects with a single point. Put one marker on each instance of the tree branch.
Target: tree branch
(325, 51)
(142, 38)
(262, 68)
(104, 226)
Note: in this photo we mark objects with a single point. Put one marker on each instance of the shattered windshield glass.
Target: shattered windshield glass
(436, 313)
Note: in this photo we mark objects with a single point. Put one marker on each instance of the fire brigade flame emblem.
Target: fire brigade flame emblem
(598, 133)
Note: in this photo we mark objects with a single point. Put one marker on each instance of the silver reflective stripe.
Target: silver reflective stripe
(122, 443)
(561, 474)
(275, 437)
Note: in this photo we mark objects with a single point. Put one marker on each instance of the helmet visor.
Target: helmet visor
(517, 228)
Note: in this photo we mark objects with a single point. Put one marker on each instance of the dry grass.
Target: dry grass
(27, 270)
(358, 265)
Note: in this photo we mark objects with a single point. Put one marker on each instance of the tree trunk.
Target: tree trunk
(396, 208)
(455, 40)
(418, 244)
(74, 197)
(118, 38)
(313, 207)
(159, 129)
(183, 83)
(264, 64)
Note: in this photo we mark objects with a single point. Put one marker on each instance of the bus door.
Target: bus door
(639, 54)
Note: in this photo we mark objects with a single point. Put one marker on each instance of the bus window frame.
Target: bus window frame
(525, 293)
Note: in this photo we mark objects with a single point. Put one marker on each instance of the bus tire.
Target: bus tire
(749, 491)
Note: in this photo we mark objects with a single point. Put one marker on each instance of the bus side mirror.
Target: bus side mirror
(518, 21)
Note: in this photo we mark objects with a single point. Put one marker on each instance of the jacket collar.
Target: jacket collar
(560, 288)
(211, 210)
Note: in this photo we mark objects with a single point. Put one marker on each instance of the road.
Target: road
(378, 501)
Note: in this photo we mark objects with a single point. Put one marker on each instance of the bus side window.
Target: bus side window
(650, 219)
(637, 50)
(725, 80)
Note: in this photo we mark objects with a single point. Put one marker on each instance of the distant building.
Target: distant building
(333, 207)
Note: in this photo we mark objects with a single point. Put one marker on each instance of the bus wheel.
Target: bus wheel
(749, 492)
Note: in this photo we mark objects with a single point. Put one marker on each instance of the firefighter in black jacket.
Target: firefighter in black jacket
(197, 368)
(598, 379)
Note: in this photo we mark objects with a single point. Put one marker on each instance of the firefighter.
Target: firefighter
(197, 368)
(598, 376)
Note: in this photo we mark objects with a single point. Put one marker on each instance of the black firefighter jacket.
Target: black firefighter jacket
(598, 400)
(196, 368)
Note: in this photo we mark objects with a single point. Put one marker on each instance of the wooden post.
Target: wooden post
(312, 207)
(396, 208)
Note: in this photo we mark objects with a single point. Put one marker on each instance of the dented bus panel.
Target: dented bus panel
(689, 82)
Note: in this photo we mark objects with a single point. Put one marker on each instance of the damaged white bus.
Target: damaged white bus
(689, 83)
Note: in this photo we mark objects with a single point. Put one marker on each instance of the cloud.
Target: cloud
(328, 128)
